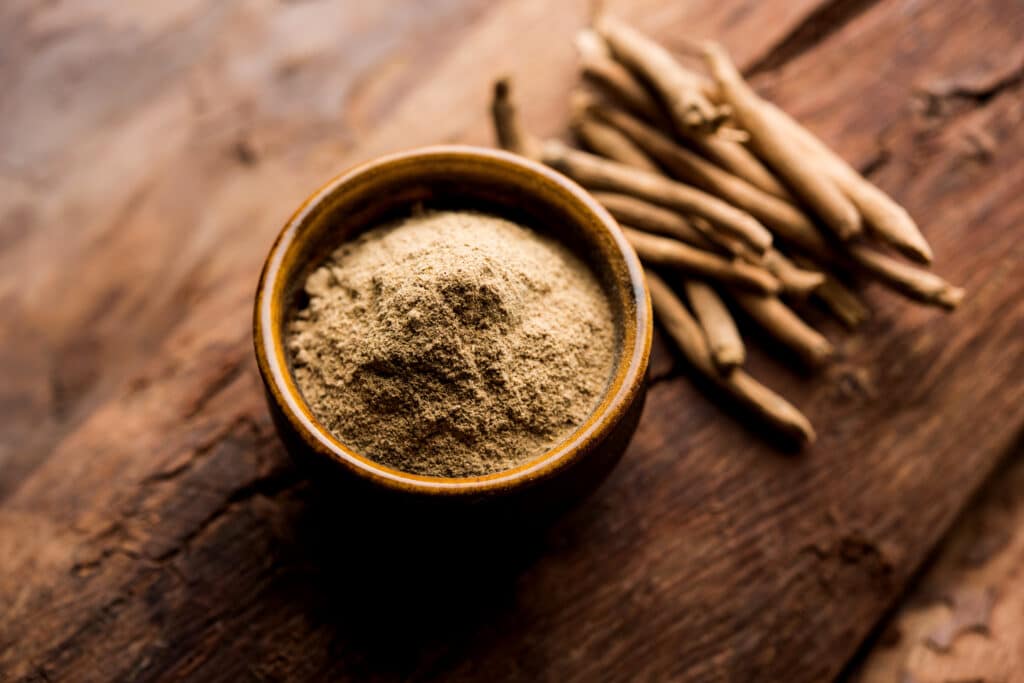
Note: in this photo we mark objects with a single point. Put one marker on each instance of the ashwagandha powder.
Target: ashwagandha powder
(452, 343)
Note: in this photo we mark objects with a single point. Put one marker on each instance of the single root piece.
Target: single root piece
(910, 280)
(802, 175)
(507, 127)
(723, 338)
(796, 281)
(687, 335)
(786, 326)
(666, 252)
(652, 218)
(842, 303)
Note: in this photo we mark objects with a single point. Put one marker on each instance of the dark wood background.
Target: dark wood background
(964, 617)
(151, 527)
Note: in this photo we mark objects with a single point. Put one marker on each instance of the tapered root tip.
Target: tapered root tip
(803, 283)
(727, 358)
(950, 297)
(733, 134)
(553, 153)
(849, 226)
(581, 103)
(821, 353)
(918, 250)
(590, 45)
(712, 51)
(807, 435)
(603, 23)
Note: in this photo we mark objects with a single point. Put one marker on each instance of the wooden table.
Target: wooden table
(964, 618)
(151, 526)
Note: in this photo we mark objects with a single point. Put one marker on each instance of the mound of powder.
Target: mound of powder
(452, 343)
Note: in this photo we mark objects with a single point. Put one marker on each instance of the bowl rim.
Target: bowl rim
(271, 355)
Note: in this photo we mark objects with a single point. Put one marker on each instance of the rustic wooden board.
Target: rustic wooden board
(964, 620)
(150, 525)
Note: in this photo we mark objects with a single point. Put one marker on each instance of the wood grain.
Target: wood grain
(964, 620)
(151, 527)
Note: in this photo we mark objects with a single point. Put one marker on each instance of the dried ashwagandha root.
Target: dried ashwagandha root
(716, 321)
(670, 253)
(596, 173)
(599, 67)
(510, 134)
(606, 140)
(783, 324)
(689, 338)
(682, 94)
(758, 228)
(882, 216)
(913, 282)
(653, 218)
(771, 143)
(685, 165)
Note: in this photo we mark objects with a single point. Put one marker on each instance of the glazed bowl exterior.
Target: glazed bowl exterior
(456, 177)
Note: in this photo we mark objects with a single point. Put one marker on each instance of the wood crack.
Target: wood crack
(41, 671)
(104, 616)
(868, 560)
(90, 566)
(268, 486)
(815, 28)
(203, 449)
(228, 374)
(981, 92)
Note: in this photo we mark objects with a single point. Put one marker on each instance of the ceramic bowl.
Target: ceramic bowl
(457, 177)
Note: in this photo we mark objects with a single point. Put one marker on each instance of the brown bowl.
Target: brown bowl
(457, 177)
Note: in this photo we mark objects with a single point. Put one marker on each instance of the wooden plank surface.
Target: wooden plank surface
(964, 619)
(150, 525)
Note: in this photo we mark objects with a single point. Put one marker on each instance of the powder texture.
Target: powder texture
(452, 344)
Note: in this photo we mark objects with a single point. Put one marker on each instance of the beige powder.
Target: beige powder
(452, 344)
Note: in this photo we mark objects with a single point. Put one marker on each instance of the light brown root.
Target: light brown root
(608, 141)
(507, 127)
(776, 214)
(682, 92)
(802, 175)
(739, 161)
(796, 281)
(905, 278)
(842, 303)
(883, 217)
(688, 337)
(616, 81)
(596, 173)
(669, 253)
(652, 218)
(783, 324)
(724, 341)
